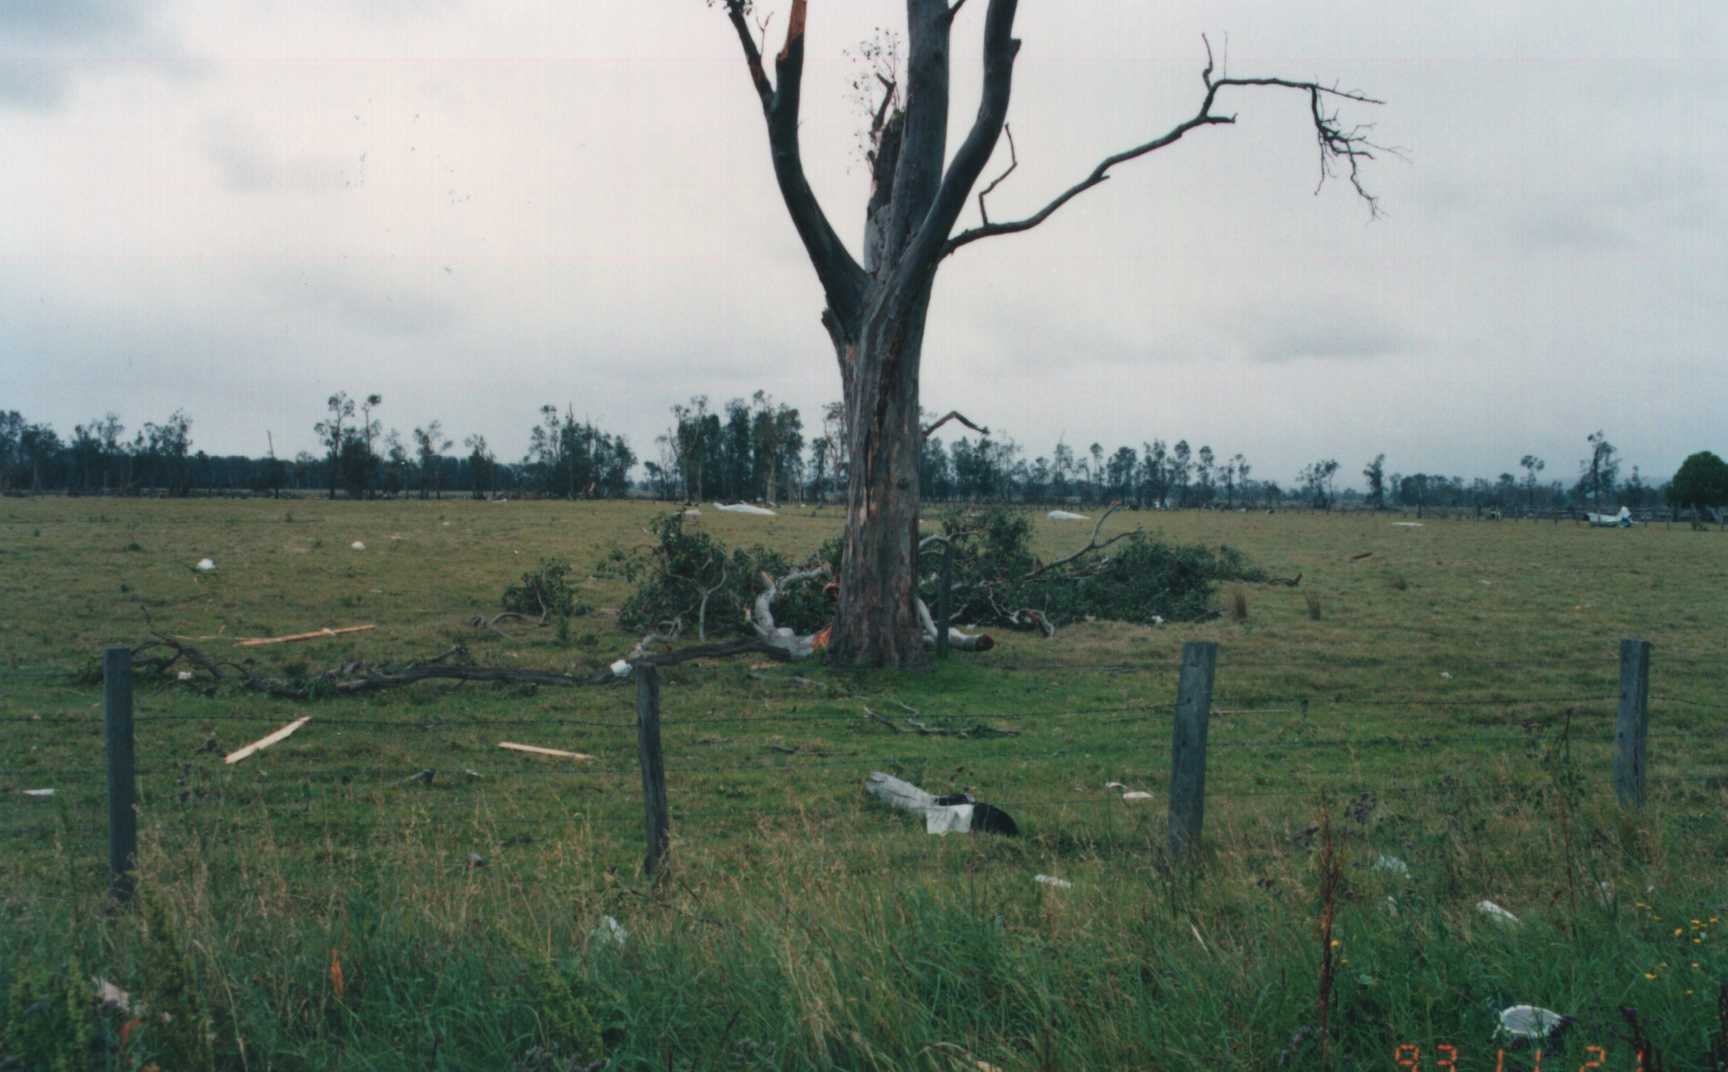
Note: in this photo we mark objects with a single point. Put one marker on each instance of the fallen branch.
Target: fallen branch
(953, 415)
(1091, 545)
(956, 639)
(539, 751)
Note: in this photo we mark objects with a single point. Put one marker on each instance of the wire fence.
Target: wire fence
(1268, 750)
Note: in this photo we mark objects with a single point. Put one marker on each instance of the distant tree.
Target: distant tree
(1701, 484)
(1203, 464)
(11, 449)
(333, 430)
(1532, 465)
(167, 452)
(430, 444)
(1599, 472)
(1316, 478)
(1375, 473)
(396, 471)
(1121, 469)
(1239, 469)
(38, 448)
(1179, 463)
(1096, 471)
(689, 437)
(481, 464)
(370, 429)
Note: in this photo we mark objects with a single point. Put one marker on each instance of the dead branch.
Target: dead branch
(885, 721)
(1338, 146)
(954, 415)
(1013, 162)
(956, 639)
(1091, 545)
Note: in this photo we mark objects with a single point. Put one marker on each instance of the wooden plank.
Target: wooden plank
(265, 742)
(1632, 727)
(316, 634)
(539, 751)
(653, 765)
(1188, 745)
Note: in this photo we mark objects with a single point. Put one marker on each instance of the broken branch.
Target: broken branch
(954, 415)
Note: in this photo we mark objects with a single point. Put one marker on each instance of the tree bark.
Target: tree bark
(877, 623)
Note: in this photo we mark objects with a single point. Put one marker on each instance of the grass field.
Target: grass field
(1448, 690)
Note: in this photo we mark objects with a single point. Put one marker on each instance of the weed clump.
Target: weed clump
(545, 592)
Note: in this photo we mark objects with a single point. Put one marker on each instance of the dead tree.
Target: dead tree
(876, 306)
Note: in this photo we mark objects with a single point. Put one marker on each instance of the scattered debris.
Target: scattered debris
(1446, 675)
(316, 634)
(1389, 905)
(358, 546)
(423, 777)
(38, 792)
(183, 675)
(204, 565)
(745, 508)
(539, 751)
(1406, 524)
(1129, 794)
(1621, 520)
(265, 742)
(1527, 1023)
(609, 932)
(1052, 880)
(956, 813)
(1064, 515)
(1359, 557)
(1496, 913)
(476, 861)
(621, 668)
(111, 996)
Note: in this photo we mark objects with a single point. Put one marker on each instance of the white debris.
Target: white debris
(621, 668)
(1529, 1023)
(1052, 880)
(1604, 892)
(897, 793)
(1407, 524)
(38, 792)
(204, 565)
(1129, 794)
(746, 508)
(609, 932)
(1393, 865)
(1446, 675)
(358, 546)
(1389, 906)
(948, 819)
(694, 515)
(183, 675)
(1064, 515)
(1496, 913)
(111, 996)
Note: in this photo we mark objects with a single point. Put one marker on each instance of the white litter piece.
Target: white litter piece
(1529, 1023)
(609, 932)
(1392, 865)
(1446, 675)
(1496, 913)
(1621, 520)
(745, 508)
(948, 819)
(1052, 880)
(1064, 515)
(204, 565)
(1406, 524)
(183, 675)
(265, 742)
(38, 792)
(1389, 906)
(358, 546)
(621, 668)
(900, 794)
(111, 996)
(1129, 794)
(693, 515)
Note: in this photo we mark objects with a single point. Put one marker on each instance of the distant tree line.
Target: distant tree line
(758, 449)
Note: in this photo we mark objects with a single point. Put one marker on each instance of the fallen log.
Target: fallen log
(539, 751)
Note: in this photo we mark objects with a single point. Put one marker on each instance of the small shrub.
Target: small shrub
(1238, 605)
(134, 546)
(1399, 582)
(1315, 608)
(673, 575)
(545, 592)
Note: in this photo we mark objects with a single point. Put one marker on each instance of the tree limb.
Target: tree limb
(954, 415)
(1000, 47)
(843, 281)
(1013, 162)
(1336, 143)
(1091, 545)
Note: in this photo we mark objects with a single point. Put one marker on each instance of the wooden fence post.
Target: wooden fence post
(122, 772)
(653, 764)
(1632, 726)
(1188, 745)
(942, 605)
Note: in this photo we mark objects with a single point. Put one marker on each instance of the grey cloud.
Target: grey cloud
(36, 85)
(247, 165)
(373, 305)
(45, 45)
(1323, 332)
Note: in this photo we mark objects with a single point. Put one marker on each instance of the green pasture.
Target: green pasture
(1442, 693)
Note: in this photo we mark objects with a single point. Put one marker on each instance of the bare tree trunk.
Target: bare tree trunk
(877, 623)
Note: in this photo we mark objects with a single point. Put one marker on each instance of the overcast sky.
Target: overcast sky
(476, 207)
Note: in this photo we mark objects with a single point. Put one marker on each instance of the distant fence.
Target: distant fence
(1194, 710)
